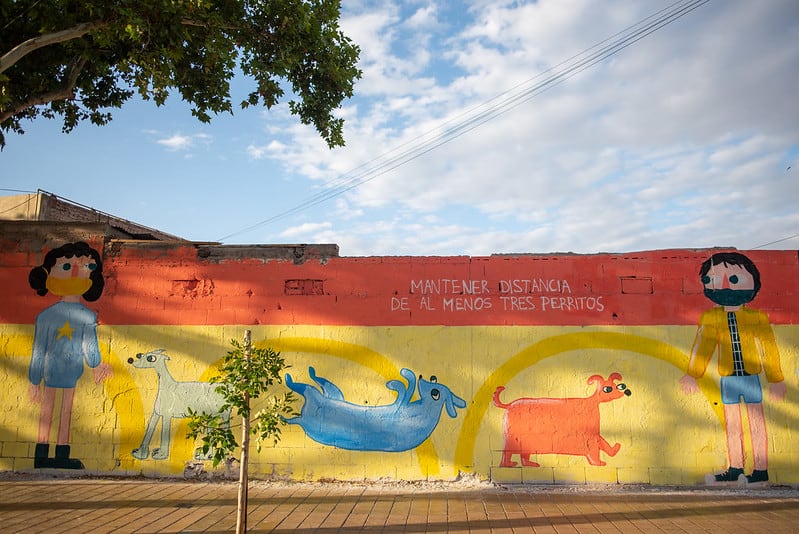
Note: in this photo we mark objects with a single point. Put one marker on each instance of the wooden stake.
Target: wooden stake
(241, 519)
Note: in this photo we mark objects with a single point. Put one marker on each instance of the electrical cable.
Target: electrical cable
(775, 241)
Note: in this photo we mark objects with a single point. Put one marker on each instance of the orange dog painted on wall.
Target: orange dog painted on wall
(558, 426)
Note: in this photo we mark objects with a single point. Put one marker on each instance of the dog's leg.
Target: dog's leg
(596, 445)
(162, 451)
(297, 387)
(408, 375)
(593, 458)
(507, 459)
(400, 388)
(605, 446)
(143, 452)
(329, 389)
(526, 458)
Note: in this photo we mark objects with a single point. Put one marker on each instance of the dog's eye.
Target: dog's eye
(151, 358)
(436, 394)
(433, 378)
(607, 389)
(621, 387)
(138, 356)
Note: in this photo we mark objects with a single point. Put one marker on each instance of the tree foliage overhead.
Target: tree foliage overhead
(78, 59)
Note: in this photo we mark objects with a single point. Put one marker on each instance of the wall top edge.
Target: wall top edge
(41, 232)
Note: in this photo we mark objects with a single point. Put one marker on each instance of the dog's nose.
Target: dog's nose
(130, 360)
(628, 392)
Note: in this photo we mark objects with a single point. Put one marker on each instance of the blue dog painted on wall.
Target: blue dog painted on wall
(403, 425)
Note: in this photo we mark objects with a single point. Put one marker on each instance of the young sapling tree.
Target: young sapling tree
(246, 374)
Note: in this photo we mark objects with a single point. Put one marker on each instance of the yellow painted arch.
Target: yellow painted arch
(426, 452)
(551, 346)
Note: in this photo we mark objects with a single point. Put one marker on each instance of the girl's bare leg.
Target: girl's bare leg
(46, 415)
(65, 419)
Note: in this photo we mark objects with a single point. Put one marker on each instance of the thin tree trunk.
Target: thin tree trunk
(241, 519)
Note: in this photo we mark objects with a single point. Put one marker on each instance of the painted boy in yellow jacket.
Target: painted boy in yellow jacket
(744, 342)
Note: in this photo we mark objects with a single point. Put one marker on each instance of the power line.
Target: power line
(776, 241)
(489, 110)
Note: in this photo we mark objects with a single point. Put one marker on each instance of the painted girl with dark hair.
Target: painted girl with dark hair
(64, 340)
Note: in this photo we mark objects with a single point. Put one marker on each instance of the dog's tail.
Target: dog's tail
(498, 403)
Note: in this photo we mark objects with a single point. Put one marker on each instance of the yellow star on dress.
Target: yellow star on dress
(65, 331)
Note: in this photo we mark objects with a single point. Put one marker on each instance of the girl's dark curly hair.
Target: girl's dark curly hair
(38, 275)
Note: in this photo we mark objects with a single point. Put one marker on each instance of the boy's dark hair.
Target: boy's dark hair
(38, 275)
(732, 258)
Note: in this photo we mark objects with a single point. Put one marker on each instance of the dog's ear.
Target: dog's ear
(595, 378)
(614, 377)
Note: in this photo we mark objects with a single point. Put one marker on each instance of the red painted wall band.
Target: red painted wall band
(176, 288)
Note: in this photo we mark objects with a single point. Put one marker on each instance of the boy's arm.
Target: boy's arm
(704, 346)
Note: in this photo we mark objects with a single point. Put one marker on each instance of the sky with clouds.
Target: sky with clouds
(479, 127)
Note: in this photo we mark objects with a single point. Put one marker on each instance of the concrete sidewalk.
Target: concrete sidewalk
(33, 505)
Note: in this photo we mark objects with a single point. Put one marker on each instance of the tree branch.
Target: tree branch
(21, 50)
(63, 93)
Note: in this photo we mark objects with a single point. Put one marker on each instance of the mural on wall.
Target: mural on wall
(568, 426)
(403, 425)
(172, 402)
(744, 342)
(538, 324)
(65, 339)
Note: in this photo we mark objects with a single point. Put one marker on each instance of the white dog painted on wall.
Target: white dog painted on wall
(172, 402)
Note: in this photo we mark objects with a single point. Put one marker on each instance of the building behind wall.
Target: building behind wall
(47, 207)
(365, 335)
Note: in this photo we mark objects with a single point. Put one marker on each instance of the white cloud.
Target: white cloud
(425, 18)
(256, 152)
(307, 229)
(272, 148)
(178, 142)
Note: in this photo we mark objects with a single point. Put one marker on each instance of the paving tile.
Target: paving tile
(148, 506)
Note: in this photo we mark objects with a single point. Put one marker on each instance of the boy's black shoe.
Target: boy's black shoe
(757, 476)
(732, 474)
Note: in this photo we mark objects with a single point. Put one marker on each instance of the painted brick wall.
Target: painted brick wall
(533, 358)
